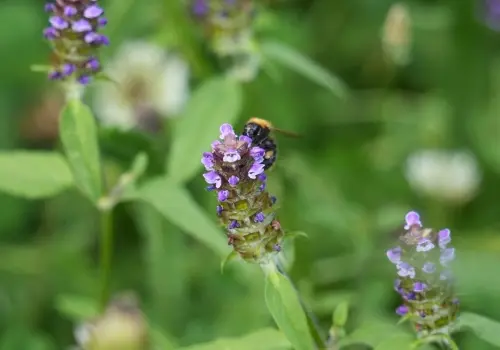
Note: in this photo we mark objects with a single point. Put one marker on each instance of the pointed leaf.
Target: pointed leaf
(303, 65)
(401, 341)
(284, 305)
(341, 313)
(79, 138)
(215, 102)
(178, 207)
(485, 328)
(34, 174)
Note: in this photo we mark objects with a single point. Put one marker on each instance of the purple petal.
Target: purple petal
(402, 310)
(277, 247)
(103, 40)
(102, 21)
(50, 7)
(222, 195)
(68, 69)
(231, 156)
(233, 224)
(93, 11)
(219, 209)
(262, 177)
(405, 269)
(92, 37)
(58, 22)
(424, 245)
(200, 8)
(213, 178)
(412, 218)
(55, 75)
(233, 180)
(444, 237)
(259, 217)
(394, 255)
(429, 267)
(225, 130)
(257, 153)
(82, 25)
(84, 79)
(70, 11)
(50, 33)
(419, 287)
(255, 170)
(244, 138)
(208, 160)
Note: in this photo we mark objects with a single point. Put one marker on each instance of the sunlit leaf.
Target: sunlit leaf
(76, 307)
(265, 339)
(303, 65)
(34, 174)
(178, 207)
(79, 138)
(485, 328)
(284, 305)
(396, 342)
(216, 101)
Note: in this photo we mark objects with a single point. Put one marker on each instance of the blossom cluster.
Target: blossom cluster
(424, 279)
(229, 28)
(236, 173)
(73, 34)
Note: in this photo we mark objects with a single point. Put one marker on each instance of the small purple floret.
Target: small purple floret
(223, 195)
(233, 224)
(68, 69)
(444, 237)
(424, 245)
(402, 310)
(58, 22)
(231, 156)
(102, 21)
(50, 7)
(70, 11)
(255, 170)
(92, 12)
(226, 130)
(394, 255)
(213, 178)
(244, 138)
(419, 287)
(259, 217)
(412, 219)
(50, 33)
(84, 79)
(257, 153)
(405, 269)
(208, 160)
(233, 180)
(447, 255)
(219, 209)
(429, 267)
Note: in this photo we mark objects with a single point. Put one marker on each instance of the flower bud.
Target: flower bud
(74, 37)
(121, 327)
(397, 34)
(424, 279)
(235, 171)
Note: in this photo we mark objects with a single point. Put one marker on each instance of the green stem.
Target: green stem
(312, 320)
(106, 254)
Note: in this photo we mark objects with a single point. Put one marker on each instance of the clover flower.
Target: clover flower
(245, 208)
(122, 326)
(229, 28)
(153, 85)
(424, 280)
(73, 34)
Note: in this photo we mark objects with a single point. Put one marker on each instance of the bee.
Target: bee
(259, 130)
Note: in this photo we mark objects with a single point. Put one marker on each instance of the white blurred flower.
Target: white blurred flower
(452, 176)
(397, 34)
(152, 83)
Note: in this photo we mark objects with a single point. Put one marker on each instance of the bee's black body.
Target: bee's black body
(259, 131)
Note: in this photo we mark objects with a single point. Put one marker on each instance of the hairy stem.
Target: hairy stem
(106, 255)
(312, 320)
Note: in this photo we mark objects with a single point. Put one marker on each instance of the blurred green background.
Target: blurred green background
(343, 182)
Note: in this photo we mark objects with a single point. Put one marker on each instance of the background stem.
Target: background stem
(106, 254)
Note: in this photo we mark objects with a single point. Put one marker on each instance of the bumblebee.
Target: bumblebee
(259, 130)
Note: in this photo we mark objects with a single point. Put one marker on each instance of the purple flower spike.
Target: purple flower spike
(259, 217)
(419, 287)
(405, 270)
(244, 138)
(82, 25)
(213, 178)
(223, 195)
(226, 130)
(70, 11)
(402, 310)
(92, 12)
(255, 170)
(429, 267)
(412, 218)
(231, 156)
(447, 255)
(208, 160)
(424, 245)
(233, 180)
(444, 237)
(394, 255)
(257, 153)
(58, 22)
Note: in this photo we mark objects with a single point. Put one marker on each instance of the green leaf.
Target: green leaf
(303, 65)
(34, 174)
(178, 207)
(284, 305)
(373, 333)
(264, 339)
(40, 68)
(79, 138)
(76, 308)
(340, 315)
(485, 328)
(230, 257)
(400, 341)
(215, 102)
(139, 165)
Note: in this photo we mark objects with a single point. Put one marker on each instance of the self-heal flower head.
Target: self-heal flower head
(424, 280)
(74, 37)
(244, 208)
